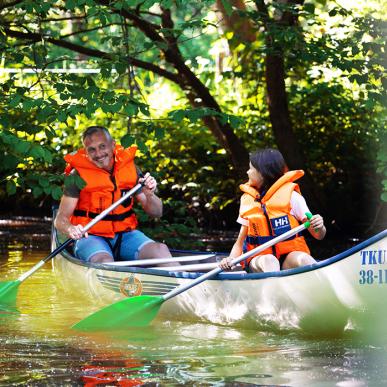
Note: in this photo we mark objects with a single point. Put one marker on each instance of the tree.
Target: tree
(124, 44)
(158, 31)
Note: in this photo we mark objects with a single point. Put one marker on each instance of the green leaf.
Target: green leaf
(127, 140)
(10, 162)
(47, 190)
(131, 109)
(37, 152)
(309, 8)
(36, 191)
(70, 4)
(159, 133)
(43, 181)
(141, 145)
(56, 192)
(22, 147)
(177, 115)
(227, 7)
(235, 121)
(62, 116)
(333, 12)
(144, 110)
(15, 100)
(11, 187)
(121, 67)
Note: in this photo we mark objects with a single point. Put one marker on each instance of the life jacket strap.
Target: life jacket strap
(260, 240)
(111, 217)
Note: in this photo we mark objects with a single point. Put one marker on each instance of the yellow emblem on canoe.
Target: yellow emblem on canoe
(130, 286)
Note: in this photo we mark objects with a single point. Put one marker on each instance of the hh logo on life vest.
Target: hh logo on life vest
(280, 225)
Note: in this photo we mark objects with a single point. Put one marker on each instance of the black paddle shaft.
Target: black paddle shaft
(87, 227)
(58, 250)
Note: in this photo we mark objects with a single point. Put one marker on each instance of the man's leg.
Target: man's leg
(154, 250)
(136, 245)
(93, 249)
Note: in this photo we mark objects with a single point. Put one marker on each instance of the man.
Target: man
(109, 171)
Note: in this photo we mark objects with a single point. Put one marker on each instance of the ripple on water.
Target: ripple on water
(39, 348)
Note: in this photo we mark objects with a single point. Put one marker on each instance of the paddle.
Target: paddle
(158, 261)
(8, 289)
(141, 310)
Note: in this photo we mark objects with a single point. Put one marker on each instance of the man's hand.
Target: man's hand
(150, 202)
(76, 232)
(150, 184)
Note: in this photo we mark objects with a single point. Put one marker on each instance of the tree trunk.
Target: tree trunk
(240, 25)
(283, 132)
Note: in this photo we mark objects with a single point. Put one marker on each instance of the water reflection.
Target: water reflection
(39, 348)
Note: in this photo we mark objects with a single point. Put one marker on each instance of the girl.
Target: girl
(271, 205)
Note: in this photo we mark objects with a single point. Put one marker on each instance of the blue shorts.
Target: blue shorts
(131, 244)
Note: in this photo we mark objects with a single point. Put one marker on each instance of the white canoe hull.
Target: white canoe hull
(349, 289)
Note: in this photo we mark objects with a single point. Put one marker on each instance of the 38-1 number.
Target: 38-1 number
(366, 277)
(369, 277)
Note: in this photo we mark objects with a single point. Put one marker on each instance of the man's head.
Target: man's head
(99, 146)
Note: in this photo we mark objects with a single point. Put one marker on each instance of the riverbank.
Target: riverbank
(33, 233)
(25, 232)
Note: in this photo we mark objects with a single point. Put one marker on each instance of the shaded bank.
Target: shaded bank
(33, 233)
(25, 233)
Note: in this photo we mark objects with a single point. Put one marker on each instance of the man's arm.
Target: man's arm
(150, 202)
(62, 221)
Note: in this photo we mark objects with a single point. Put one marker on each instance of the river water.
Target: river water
(38, 348)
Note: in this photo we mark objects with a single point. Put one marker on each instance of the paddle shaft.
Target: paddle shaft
(85, 229)
(158, 261)
(214, 272)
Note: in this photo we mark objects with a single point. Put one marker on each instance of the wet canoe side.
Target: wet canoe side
(349, 288)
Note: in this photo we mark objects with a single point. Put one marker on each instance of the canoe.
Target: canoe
(346, 291)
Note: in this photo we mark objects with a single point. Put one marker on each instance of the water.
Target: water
(38, 347)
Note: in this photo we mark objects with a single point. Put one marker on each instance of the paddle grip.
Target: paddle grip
(309, 216)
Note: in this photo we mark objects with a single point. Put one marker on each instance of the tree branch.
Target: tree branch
(4, 5)
(35, 37)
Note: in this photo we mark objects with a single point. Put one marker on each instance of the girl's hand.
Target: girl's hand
(317, 228)
(225, 263)
(317, 222)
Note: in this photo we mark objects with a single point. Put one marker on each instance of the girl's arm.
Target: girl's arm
(236, 250)
(300, 208)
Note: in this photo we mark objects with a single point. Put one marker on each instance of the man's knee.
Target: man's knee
(154, 250)
(101, 258)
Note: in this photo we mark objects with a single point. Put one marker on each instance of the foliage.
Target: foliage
(335, 82)
(382, 165)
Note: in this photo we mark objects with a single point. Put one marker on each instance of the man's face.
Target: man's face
(100, 149)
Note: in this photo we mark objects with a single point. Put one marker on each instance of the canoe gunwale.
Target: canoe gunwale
(225, 275)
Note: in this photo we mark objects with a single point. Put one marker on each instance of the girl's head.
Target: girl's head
(266, 167)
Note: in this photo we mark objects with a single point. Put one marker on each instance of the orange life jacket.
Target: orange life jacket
(269, 216)
(103, 189)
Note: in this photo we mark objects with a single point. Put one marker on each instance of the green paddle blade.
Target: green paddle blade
(8, 292)
(130, 312)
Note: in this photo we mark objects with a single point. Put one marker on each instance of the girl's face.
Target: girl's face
(255, 178)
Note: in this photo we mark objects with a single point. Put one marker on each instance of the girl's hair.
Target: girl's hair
(270, 164)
